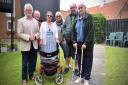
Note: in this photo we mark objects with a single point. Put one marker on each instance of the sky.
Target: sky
(64, 4)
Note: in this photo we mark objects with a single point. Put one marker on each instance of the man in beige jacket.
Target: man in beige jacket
(28, 31)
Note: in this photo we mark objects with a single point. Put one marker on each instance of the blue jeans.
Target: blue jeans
(29, 59)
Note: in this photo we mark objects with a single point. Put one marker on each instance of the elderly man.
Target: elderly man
(83, 38)
(70, 19)
(37, 16)
(28, 32)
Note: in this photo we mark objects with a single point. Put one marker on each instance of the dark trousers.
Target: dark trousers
(69, 50)
(63, 46)
(29, 59)
(87, 61)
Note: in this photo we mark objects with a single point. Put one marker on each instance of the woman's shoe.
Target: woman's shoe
(78, 80)
(24, 82)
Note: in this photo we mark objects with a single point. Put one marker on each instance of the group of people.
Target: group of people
(75, 32)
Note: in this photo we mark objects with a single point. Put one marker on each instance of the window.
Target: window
(9, 14)
(9, 25)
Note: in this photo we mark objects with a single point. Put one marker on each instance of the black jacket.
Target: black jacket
(67, 27)
(88, 31)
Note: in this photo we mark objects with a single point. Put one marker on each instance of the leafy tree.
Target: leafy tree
(99, 24)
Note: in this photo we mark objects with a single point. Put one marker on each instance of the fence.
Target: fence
(118, 25)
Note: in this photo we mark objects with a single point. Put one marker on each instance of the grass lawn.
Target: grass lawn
(10, 72)
(116, 66)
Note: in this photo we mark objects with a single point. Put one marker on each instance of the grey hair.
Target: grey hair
(49, 12)
(28, 5)
(58, 13)
(81, 4)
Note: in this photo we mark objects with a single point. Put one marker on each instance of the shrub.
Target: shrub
(99, 24)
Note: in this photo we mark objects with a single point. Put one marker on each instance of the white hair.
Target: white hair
(58, 13)
(28, 5)
(81, 4)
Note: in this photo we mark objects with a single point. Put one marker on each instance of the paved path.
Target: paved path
(98, 74)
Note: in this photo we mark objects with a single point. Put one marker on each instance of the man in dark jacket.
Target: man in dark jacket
(70, 19)
(83, 38)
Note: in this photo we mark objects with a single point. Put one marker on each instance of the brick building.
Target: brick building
(5, 21)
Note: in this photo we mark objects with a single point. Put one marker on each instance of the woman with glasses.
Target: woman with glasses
(59, 24)
(48, 36)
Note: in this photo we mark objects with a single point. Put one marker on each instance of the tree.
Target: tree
(99, 24)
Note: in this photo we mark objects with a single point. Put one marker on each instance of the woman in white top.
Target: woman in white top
(48, 43)
(48, 35)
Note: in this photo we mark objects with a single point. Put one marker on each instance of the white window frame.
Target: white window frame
(9, 30)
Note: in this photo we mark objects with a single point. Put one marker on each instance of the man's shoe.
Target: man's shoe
(70, 66)
(76, 72)
(24, 82)
(32, 78)
(78, 80)
(66, 70)
(86, 82)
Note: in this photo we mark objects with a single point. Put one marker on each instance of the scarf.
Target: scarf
(59, 23)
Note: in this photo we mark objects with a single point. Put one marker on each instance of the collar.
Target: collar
(80, 18)
(28, 19)
(85, 16)
(73, 15)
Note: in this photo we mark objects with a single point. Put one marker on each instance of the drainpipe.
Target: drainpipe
(12, 33)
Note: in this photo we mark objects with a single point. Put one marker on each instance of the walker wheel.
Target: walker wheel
(59, 79)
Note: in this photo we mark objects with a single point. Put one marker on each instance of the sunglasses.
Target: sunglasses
(49, 15)
(58, 16)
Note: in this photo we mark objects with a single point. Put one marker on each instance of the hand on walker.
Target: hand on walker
(75, 45)
(57, 41)
(83, 46)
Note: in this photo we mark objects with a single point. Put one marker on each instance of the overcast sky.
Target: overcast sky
(64, 4)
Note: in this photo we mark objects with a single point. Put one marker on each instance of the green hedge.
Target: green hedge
(99, 24)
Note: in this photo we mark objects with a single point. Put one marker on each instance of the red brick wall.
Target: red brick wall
(64, 13)
(110, 10)
(3, 26)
